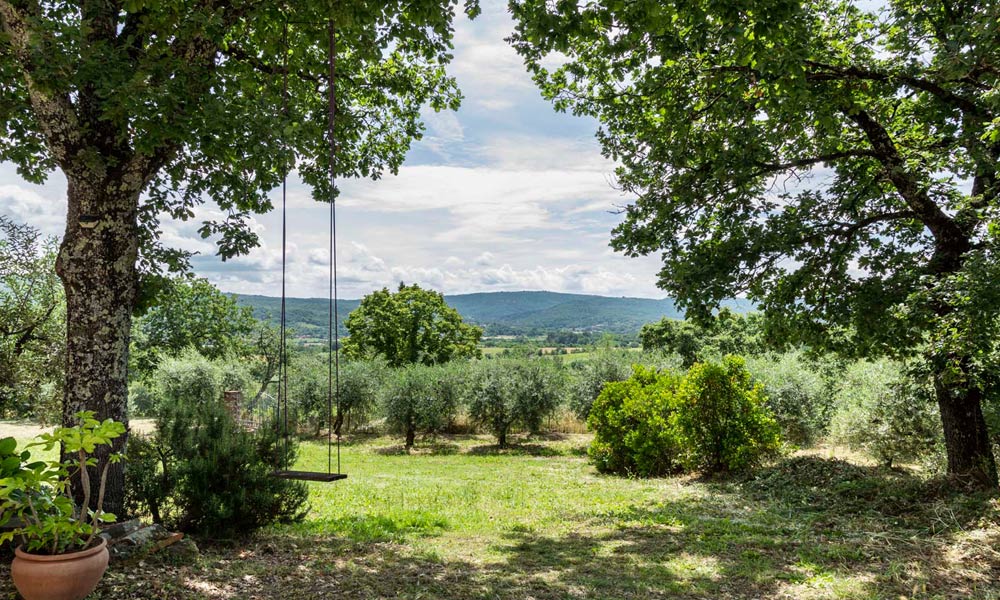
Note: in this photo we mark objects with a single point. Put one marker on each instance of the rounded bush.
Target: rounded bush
(711, 419)
(722, 421)
(631, 424)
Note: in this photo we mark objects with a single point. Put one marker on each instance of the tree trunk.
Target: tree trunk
(502, 438)
(967, 440)
(97, 265)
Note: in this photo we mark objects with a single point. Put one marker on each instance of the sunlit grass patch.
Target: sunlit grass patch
(538, 522)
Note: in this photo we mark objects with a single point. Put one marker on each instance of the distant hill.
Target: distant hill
(499, 312)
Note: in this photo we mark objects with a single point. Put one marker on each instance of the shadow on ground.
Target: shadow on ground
(804, 528)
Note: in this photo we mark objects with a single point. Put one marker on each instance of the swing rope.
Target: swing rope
(333, 325)
(333, 318)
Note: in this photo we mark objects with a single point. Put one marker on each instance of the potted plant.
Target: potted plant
(60, 556)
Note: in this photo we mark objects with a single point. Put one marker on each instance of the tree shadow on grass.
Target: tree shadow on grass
(803, 528)
(422, 448)
(374, 529)
(522, 449)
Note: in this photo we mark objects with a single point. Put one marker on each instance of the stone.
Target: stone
(144, 541)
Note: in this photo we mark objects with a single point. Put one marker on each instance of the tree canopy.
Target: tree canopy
(187, 100)
(410, 326)
(726, 333)
(194, 313)
(837, 164)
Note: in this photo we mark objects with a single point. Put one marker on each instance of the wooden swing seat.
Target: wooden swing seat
(310, 476)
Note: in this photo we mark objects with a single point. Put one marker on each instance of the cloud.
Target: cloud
(42, 207)
(484, 62)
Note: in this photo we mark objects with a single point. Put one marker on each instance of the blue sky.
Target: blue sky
(505, 194)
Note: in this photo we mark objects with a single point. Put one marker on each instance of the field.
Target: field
(459, 519)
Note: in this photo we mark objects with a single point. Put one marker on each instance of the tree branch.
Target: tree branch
(825, 158)
(951, 241)
(53, 111)
(940, 224)
(835, 73)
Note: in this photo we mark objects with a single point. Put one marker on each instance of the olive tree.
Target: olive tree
(508, 393)
(419, 398)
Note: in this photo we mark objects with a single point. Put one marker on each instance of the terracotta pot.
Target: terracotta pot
(70, 576)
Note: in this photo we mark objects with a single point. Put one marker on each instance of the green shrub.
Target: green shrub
(197, 379)
(189, 376)
(200, 472)
(507, 393)
(722, 421)
(881, 411)
(420, 399)
(630, 421)
(712, 419)
(148, 484)
(221, 477)
(798, 395)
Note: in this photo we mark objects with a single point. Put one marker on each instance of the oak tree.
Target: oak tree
(835, 163)
(409, 326)
(151, 109)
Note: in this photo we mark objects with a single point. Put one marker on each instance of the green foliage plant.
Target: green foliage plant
(421, 399)
(722, 423)
(712, 336)
(631, 424)
(192, 313)
(884, 413)
(588, 378)
(196, 378)
(712, 419)
(149, 479)
(799, 393)
(218, 477)
(505, 393)
(200, 471)
(360, 384)
(38, 493)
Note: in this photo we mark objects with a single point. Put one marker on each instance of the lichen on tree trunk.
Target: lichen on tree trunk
(97, 265)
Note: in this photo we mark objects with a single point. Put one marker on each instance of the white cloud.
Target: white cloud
(42, 207)
(484, 63)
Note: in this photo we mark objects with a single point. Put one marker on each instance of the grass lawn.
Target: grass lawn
(458, 519)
